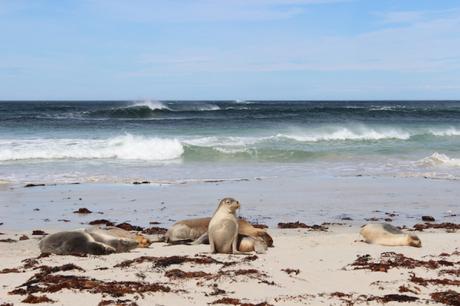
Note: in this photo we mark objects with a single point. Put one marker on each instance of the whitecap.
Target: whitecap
(438, 159)
(151, 104)
(126, 147)
(347, 134)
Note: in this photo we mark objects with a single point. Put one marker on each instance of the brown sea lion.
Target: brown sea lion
(191, 230)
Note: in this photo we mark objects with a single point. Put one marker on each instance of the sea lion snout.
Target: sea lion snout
(230, 203)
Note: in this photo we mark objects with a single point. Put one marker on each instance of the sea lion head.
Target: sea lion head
(142, 241)
(414, 241)
(230, 204)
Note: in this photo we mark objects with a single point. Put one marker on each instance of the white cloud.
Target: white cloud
(429, 45)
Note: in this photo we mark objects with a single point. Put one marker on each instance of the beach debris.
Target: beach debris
(36, 299)
(33, 185)
(63, 220)
(291, 271)
(39, 233)
(154, 230)
(23, 237)
(141, 182)
(128, 227)
(233, 301)
(10, 270)
(117, 303)
(403, 289)
(163, 262)
(389, 260)
(101, 221)
(54, 283)
(448, 226)
(392, 298)
(449, 297)
(298, 224)
(433, 281)
(428, 219)
(8, 240)
(179, 274)
(82, 210)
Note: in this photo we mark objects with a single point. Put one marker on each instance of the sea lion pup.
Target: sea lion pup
(251, 244)
(195, 230)
(387, 234)
(93, 241)
(223, 228)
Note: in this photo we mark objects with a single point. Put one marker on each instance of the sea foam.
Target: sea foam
(126, 147)
(437, 159)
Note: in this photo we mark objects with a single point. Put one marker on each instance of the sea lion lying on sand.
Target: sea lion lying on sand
(95, 241)
(387, 234)
(192, 230)
(223, 228)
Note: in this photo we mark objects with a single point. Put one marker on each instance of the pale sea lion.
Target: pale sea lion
(95, 241)
(387, 234)
(193, 230)
(251, 244)
(143, 242)
(223, 228)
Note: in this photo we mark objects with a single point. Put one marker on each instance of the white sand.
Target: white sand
(320, 257)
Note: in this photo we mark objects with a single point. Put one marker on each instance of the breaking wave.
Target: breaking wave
(127, 147)
(438, 159)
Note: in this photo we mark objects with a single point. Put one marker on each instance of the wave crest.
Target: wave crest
(343, 134)
(127, 147)
(437, 159)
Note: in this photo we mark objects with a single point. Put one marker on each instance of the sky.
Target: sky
(229, 49)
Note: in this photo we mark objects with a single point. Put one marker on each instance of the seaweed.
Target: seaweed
(291, 271)
(101, 221)
(177, 274)
(117, 303)
(83, 210)
(53, 283)
(35, 299)
(298, 224)
(433, 281)
(9, 240)
(233, 301)
(448, 226)
(128, 227)
(449, 297)
(389, 260)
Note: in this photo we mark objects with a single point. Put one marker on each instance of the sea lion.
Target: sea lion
(93, 241)
(251, 244)
(387, 234)
(116, 232)
(189, 230)
(223, 228)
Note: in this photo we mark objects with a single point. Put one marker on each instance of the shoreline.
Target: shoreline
(312, 200)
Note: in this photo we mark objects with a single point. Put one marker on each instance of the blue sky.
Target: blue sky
(230, 49)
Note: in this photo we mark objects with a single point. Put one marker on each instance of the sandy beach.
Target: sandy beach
(327, 264)
(303, 268)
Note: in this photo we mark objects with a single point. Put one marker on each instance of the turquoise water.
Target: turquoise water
(125, 137)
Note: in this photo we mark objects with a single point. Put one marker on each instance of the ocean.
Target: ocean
(176, 141)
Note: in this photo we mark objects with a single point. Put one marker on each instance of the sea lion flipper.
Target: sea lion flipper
(203, 239)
